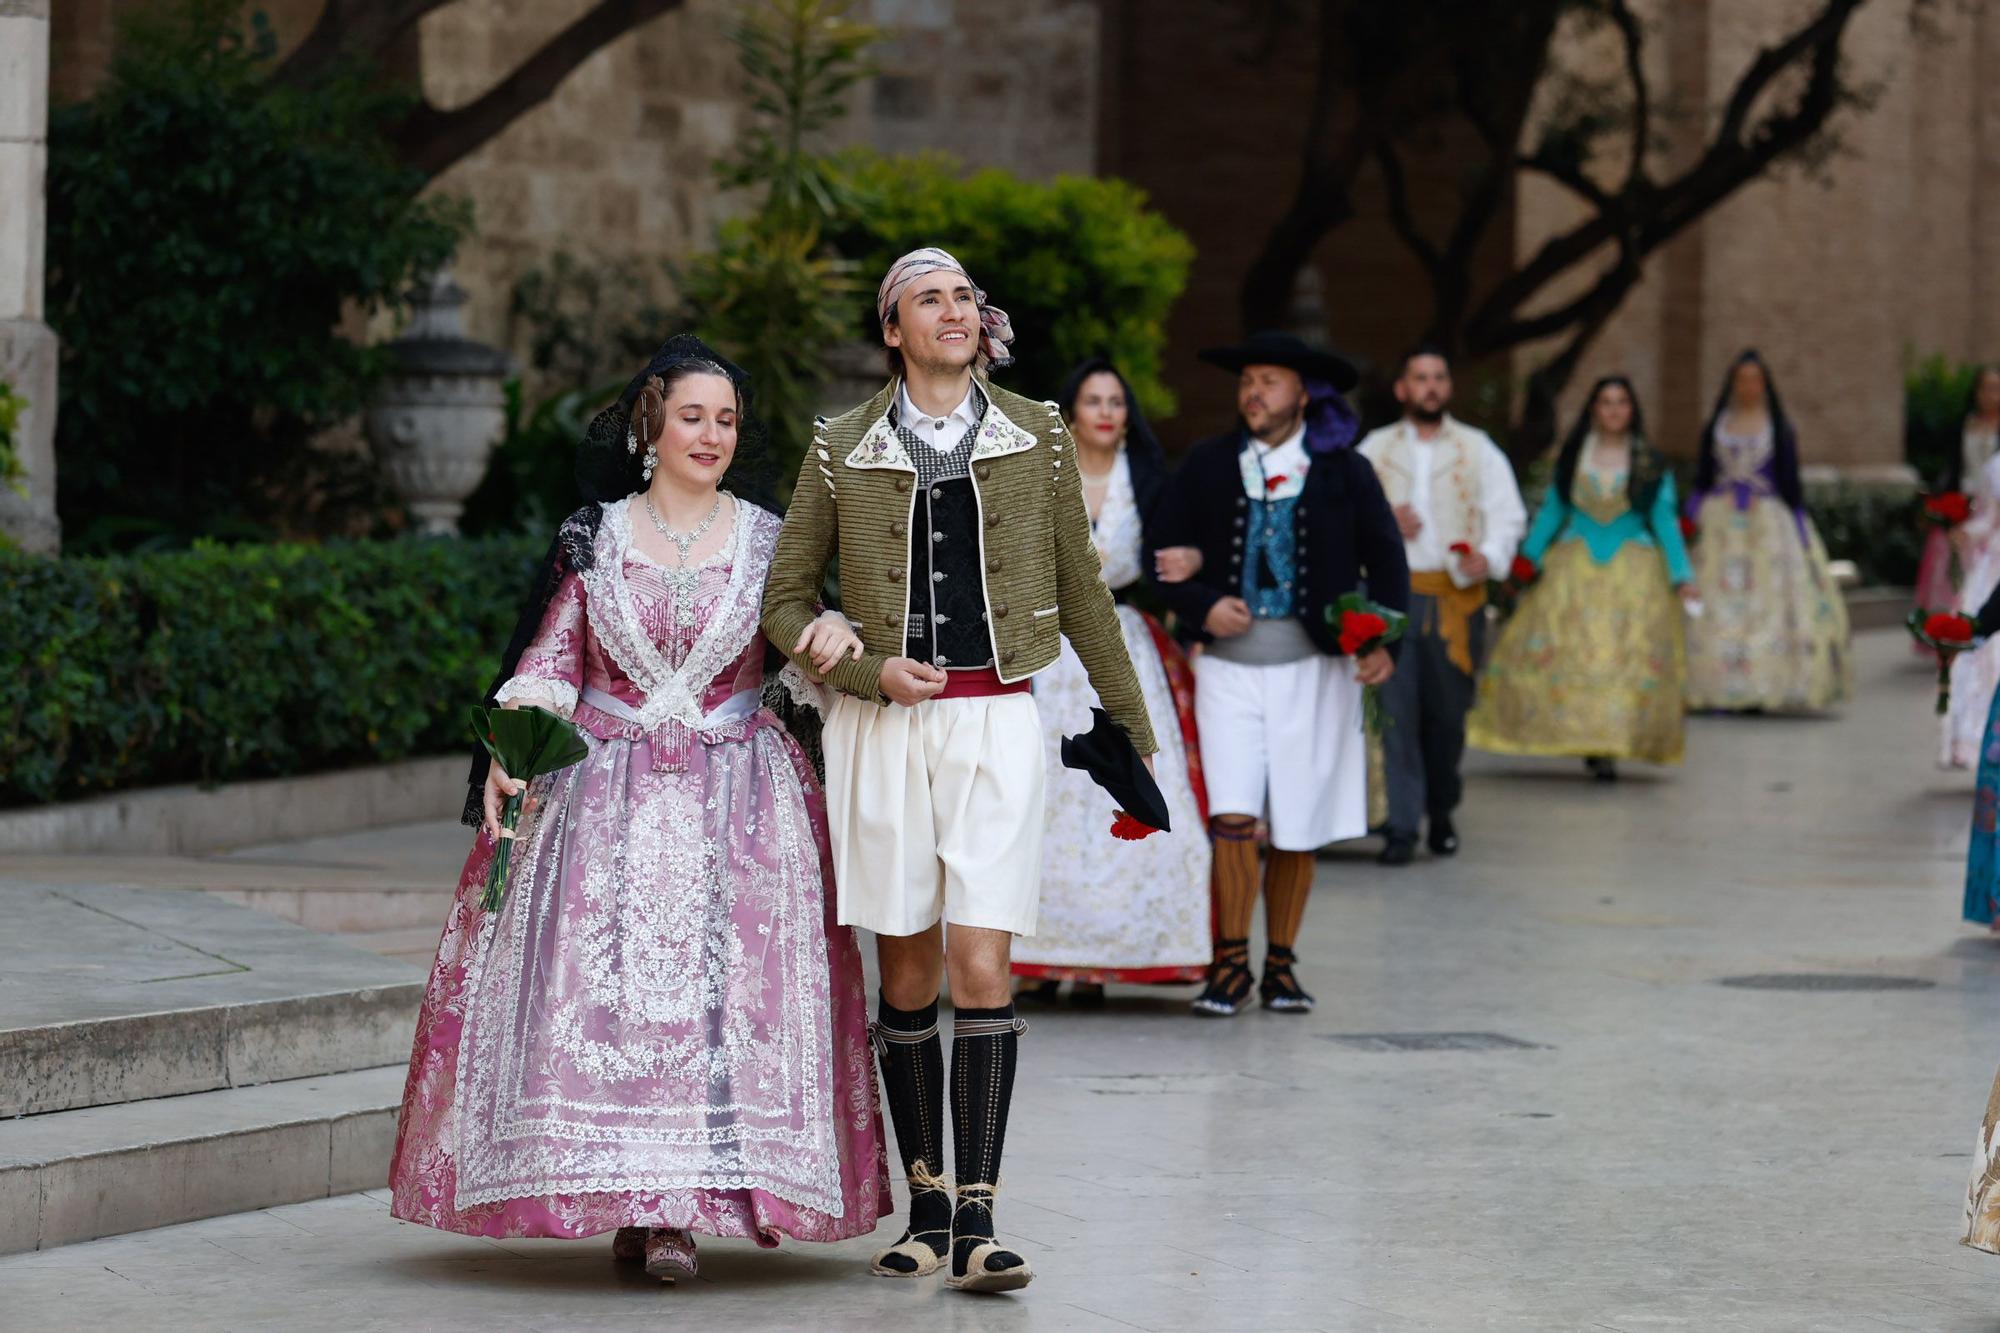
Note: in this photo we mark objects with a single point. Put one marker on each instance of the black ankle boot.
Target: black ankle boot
(1444, 837)
(912, 1058)
(1229, 981)
(1280, 990)
(984, 1050)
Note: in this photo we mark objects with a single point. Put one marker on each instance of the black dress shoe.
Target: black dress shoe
(1398, 851)
(1444, 838)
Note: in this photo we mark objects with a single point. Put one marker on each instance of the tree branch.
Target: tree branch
(1570, 176)
(1634, 35)
(432, 140)
(1400, 216)
(360, 28)
(1322, 201)
(1643, 216)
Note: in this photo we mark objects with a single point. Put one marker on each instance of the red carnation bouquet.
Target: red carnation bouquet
(1505, 594)
(1944, 511)
(1365, 626)
(1946, 633)
(1947, 509)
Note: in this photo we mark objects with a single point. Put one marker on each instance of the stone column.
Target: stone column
(27, 345)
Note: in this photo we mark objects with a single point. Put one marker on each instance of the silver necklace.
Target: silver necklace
(683, 582)
(684, 542)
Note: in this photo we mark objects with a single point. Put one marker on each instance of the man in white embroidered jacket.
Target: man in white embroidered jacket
(1461, 516)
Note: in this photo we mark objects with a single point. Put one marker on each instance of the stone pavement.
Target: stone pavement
(1525, 1102)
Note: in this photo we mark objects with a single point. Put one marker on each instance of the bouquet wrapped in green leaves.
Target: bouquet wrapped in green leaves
(1365, 626)
(525, 743)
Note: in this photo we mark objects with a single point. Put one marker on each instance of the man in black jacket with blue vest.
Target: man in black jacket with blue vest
(1261, 531)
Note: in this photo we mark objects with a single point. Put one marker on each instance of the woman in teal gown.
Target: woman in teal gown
(1591, 665)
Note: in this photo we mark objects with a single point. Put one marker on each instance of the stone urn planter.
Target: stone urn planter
(433, 423)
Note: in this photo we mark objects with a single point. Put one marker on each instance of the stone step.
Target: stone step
(343, 911)
(111, 995)
(105, 1170)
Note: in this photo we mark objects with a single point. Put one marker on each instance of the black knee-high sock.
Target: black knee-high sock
(912, 1057)
(985, 1046)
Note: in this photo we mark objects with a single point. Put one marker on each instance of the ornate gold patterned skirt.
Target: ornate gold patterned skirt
(1775, 635)
(1982, 1195)
(1590, 663)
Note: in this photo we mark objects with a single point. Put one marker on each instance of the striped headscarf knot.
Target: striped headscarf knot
(995, 331)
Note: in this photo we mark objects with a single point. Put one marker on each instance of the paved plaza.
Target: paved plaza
(1527, 1100)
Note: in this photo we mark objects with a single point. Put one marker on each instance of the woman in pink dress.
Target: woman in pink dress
(662, 1030)
(1941, 573)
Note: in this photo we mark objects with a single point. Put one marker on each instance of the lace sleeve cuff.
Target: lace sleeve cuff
(802, 690)
(558, 696)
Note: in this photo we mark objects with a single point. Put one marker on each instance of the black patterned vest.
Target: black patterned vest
(947, 618)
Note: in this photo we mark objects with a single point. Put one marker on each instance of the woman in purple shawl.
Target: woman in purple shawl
(1770, 633)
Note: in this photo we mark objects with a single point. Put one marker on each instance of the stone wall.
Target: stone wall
(617, 163)
(1833, 274)
(1207, 113)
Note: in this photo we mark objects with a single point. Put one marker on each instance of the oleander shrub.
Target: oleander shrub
(218, 663)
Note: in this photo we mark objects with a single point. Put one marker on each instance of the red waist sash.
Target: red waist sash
(983, 683)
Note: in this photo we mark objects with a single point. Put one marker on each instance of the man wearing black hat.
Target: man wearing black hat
(1286, 519)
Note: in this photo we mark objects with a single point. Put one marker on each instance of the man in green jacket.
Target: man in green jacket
(965, 555)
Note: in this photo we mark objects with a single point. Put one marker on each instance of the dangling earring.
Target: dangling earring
(631, 438)
(652, 461)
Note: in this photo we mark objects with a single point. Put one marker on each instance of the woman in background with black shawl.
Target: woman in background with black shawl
(1771, 630)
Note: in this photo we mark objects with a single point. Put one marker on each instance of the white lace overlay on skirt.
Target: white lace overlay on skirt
(651, 1008)
(648, 1011)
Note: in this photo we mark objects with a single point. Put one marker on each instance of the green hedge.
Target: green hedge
(246, 661)
(1881, 529)
(1082, 265)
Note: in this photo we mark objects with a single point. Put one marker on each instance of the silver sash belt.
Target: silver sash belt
(672, 738)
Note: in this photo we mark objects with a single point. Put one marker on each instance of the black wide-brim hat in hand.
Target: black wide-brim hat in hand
(1107, 754)
(1272, 348)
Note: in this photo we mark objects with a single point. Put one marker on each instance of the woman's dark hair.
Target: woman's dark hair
(1784, 442)
(1648, 468)
(610, 462)
(1146, 458)
(1953, 476)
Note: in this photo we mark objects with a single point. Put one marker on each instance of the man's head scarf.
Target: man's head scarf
(995, 332)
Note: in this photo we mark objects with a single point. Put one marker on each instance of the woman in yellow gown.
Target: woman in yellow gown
(1591, 664)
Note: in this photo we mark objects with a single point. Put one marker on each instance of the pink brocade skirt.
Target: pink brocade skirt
(1936, 589)
(662, 1026)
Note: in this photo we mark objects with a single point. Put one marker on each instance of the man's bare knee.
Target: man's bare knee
(912, 967)
(980, 961)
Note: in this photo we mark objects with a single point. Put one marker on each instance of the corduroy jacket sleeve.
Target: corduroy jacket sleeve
(1088, 616)
(1173, 523)
(806, 545)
